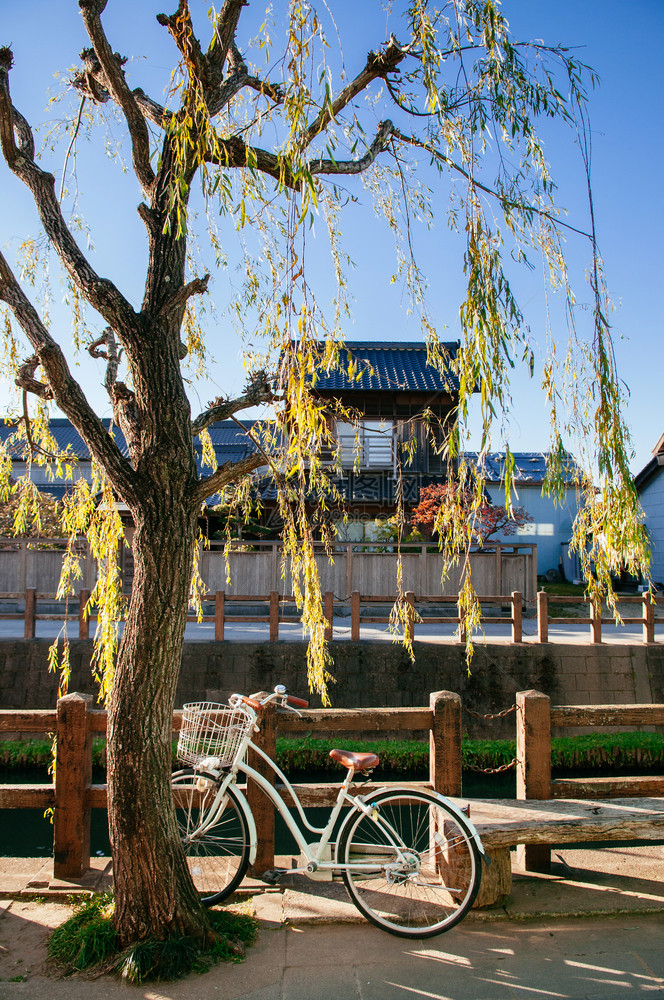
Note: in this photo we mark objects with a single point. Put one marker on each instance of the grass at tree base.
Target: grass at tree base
(87, 942)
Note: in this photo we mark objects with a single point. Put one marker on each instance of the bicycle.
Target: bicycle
(410, 859)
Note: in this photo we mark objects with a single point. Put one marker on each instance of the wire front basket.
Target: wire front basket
(212, 730)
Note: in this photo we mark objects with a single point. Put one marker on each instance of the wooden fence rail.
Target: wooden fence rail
(281, 609)
(75, 721)
(535, 719)
(73, 795)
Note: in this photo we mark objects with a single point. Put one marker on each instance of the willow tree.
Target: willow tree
(264, 130)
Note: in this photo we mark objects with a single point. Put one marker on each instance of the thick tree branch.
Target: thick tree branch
(258, 390)
(179, 298)
(100, 293)
(182, 30)
(154, 112)
(227, 473)
(385, 130)
(26, 379)
(120, 92)
(65, 390)
(378, 65)
(234, 152)
(222, 42)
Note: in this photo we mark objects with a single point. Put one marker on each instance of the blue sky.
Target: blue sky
(621, 41)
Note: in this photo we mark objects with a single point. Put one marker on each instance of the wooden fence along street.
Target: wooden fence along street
(277, 609)
(501, 823)
(257, 568)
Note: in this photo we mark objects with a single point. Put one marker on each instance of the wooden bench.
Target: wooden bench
(505, 823)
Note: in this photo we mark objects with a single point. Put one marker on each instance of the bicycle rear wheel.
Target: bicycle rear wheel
(218, 854)
(429, 863)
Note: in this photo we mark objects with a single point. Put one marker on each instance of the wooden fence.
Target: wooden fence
(258, 567)
(371, 568)
(535, 719)
(75, 722)
(276, 609)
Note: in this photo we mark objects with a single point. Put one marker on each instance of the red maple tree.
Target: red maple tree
(443, 506)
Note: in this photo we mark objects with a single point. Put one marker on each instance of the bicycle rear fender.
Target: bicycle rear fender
(251, 823)
(374, 797)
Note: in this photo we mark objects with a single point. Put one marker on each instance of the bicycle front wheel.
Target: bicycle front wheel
(215, 840)
(429, 871)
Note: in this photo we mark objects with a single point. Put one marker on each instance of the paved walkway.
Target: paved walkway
(593, 929)
(594, 959)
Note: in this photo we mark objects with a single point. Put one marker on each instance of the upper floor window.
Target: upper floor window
(370, 443)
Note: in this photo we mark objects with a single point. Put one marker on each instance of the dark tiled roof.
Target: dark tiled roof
(68, 437)
(530, 466)
(387, 367)
(229, 441)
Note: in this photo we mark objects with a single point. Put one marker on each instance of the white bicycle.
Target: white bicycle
(410, 860)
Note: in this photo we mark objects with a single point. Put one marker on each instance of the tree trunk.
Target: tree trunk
(154, 894)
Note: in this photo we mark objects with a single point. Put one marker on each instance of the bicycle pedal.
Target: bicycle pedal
(272, 876)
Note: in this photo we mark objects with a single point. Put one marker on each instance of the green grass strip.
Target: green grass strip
(603, 751)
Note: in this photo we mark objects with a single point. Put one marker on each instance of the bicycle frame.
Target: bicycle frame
(312, 852)
(427, 868)
(314, 857)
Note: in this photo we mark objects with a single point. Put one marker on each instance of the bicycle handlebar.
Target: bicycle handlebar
(251, 702)
(287, 700)
(296, 702)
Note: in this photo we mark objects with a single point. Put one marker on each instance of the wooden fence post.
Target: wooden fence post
(463, 637)
(596, 621)
(219, 611)
(328, 611)
(517, 616)
(30, 613)
(261, 806)
(445, 743)
(533, 769)
(542, 616)
(73, 776)
(355, 616)
(648, 618)
(83, 615)
(410, 619)
(274, 616)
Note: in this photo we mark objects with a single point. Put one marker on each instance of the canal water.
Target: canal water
(26, 833)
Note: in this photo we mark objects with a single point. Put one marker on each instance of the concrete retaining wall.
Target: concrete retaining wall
(373, 674)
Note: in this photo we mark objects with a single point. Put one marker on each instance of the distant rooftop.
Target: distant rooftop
(379, 366)
(529, 466)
